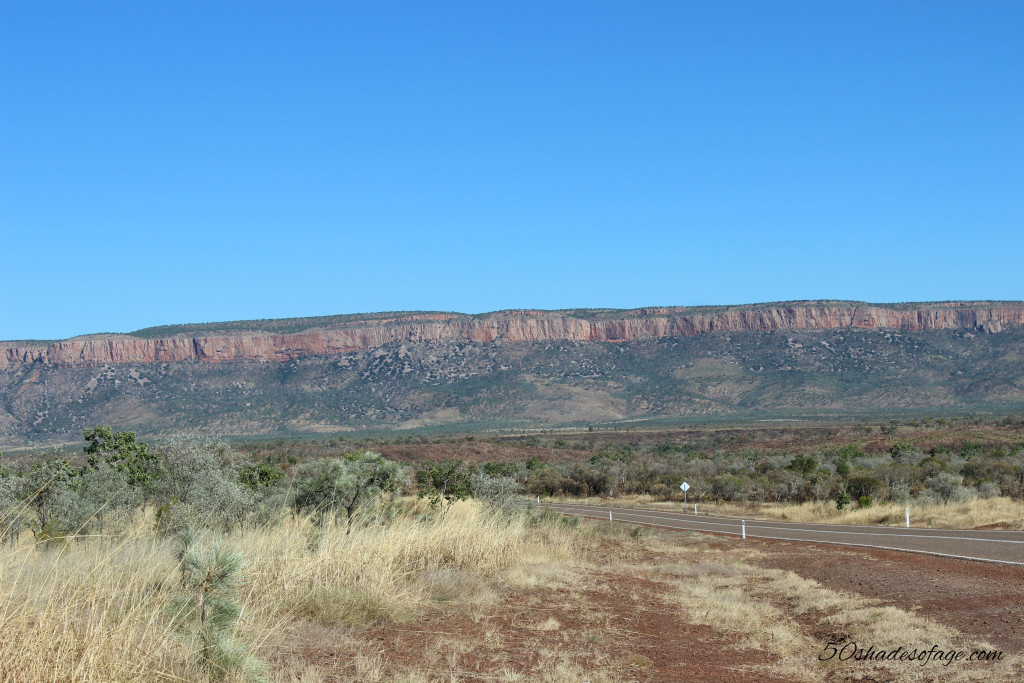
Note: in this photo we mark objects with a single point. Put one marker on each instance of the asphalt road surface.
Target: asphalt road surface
(1005, 547)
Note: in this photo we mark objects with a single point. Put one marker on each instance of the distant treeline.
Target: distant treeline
(193, 482)
(981, 459)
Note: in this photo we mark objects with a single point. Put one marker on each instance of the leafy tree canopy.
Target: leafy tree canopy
(259, 476)
(121, 451)
(805, 464)
(346, 483)
(445, 482)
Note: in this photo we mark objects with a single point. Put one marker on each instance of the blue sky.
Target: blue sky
(189, 162)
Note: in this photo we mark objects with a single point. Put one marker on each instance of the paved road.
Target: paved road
(1006, 547)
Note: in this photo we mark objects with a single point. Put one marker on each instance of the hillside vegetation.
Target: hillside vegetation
(474, 386)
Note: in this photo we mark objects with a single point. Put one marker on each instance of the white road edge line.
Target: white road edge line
(823, 531)
(852, 545)
(854, 526)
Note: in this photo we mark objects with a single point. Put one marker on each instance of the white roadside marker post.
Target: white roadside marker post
(695, 509)
(743, 527)
(908, 518)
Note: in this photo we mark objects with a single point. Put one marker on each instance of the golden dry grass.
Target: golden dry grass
(981, 512)
(94, 609)
(775, 610)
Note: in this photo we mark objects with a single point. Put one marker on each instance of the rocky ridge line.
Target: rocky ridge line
(509, 326)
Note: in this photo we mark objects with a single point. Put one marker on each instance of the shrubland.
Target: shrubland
(188, 561)
(950, 472)
(921, 463)
(191, 559)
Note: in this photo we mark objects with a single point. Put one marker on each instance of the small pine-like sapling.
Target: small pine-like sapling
(205, 611)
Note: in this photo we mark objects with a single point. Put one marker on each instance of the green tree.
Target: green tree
(14, 513)
(946, 484)
(842, 499)
(51, 490)
(444, 483)
(865, 485)
(123, 452)
(259, 476)
(198, 485)
(905, 453)
(103, 498)
(344, 484)
(805, 464)
(849, 452)
(843, 468)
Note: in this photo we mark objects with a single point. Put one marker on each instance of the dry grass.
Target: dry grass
(780, 611)
(982, 512)
(1003, 513)
(94, 609)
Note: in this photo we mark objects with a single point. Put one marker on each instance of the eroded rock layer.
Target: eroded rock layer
(512, 326)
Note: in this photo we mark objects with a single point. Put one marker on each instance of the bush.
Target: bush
(327, 488)
(899, 494)
(864, 502)
(865, 486)
(549, 482)
(199, 487)
(945, 484)
(592, 481)
(662, 492)
(988, 489)
(928, 497)
(501, 492)
(962, 494)
(729, 487)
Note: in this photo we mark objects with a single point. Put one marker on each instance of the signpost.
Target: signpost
(685, 487)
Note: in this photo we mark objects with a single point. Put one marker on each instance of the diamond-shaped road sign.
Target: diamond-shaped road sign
(684, 486)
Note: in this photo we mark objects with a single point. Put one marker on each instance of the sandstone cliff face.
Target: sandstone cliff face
(509, 326)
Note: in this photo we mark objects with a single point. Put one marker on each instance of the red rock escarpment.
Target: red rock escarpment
(511, 326)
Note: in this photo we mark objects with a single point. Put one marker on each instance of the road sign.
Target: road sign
(685, 487)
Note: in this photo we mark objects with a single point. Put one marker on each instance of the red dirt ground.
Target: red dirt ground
(615, 621)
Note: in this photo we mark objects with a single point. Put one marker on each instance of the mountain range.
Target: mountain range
(520, 369)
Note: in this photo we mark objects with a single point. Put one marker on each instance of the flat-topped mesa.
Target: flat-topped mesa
(511, 326)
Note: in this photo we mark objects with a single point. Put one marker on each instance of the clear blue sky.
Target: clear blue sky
(199, 161)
